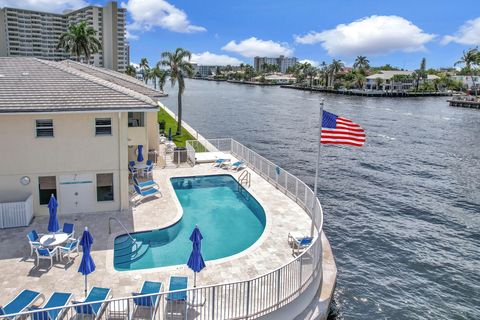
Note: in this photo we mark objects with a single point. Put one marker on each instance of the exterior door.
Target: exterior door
(77, 193)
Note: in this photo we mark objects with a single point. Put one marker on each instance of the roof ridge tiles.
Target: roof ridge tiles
(66, 68)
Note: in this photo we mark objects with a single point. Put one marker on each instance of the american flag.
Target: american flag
(338, 130)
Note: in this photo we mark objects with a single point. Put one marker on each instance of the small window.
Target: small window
(44, 128)
(103, 126)
(46, 187)
(136, 119)
(105, 187)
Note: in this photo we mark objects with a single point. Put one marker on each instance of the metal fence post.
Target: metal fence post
(248, 299)
(213, 303)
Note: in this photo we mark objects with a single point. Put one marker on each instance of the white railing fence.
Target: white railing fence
(248, 299)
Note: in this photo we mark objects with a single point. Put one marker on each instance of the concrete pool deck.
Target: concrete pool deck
(271, 251)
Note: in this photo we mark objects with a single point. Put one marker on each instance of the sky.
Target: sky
(224, 32)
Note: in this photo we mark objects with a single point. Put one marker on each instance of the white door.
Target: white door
(77, 193)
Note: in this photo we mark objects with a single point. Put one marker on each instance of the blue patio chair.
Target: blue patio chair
(150, 302)
(46, 254)
(177, 301)
(58, 300)
(33, 241)
(69, 228)
(20, 303)
(97, 297)
(131, 168)
(145, 184)
(146, 193)
(301, 244)
(237, 166)
(148, 171)
(70, 247)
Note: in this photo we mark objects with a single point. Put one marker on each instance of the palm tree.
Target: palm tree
(144, 67)
(335, 67)
(180, 66)
(131, 71)
(378, 82)
(470, 58)
(421, 73)
(162, 76)
(359, 80)
(310, 72)
(324, 73)
(152, 75)
(80, 40)
(361, 63)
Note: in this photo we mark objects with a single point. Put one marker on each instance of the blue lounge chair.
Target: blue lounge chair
(69, 228)
(145, 184)
(33, 240)
(57, 300)
(20, 303)
(95, 310)
(301, 244)
(220, 162)
(131, 168)
(238, 165)
(150, 302)
(177, 301)
(143, 194)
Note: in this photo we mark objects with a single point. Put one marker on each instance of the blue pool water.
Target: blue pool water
(230, 220)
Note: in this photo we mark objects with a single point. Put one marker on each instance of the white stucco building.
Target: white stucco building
(27, 33)
(70, 129)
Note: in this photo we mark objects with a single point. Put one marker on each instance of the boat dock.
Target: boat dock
(394, 94)
(464, 102)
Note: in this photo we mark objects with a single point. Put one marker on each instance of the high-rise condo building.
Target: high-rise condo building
(27, 33)
(282, 62)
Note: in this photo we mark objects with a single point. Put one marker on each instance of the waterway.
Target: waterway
(402, 213)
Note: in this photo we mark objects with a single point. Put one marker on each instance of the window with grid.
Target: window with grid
(44, 128)
(103, 126)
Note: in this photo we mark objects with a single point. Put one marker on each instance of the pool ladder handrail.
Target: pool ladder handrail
(245, 177)
(134, 242)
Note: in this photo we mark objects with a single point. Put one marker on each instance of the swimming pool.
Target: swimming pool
(229, 217)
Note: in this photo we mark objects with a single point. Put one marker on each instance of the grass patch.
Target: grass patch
(170, 122)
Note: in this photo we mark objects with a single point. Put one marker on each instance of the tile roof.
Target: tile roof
(34, 85)
(116, 77)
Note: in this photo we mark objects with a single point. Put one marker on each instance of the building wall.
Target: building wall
(74, 150)
(36, 34)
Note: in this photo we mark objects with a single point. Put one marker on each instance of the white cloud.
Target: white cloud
(44, 5)
(468, 34)
(312, 62)
(370, 35)
(131, 36)
(212, 59)
(252, 47)
(148, 14)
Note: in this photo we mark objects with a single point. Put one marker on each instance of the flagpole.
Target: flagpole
(315, 188)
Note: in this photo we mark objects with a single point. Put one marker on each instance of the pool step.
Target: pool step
(128, 250)
(131, 256)
(123, 244)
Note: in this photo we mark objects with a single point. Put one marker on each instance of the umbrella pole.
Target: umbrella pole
(85, 286)
(194, 279)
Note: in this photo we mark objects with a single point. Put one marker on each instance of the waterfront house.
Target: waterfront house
(467, 81)
(70, 129)
(384, 80)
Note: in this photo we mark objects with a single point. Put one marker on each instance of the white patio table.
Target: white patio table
(54, 240)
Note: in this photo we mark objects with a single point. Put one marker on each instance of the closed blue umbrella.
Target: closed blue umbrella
(195, 262)
(53, 220)
(140, 154)
(87, 265)
(170, 134)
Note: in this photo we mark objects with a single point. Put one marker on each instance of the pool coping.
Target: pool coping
(110, 269)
